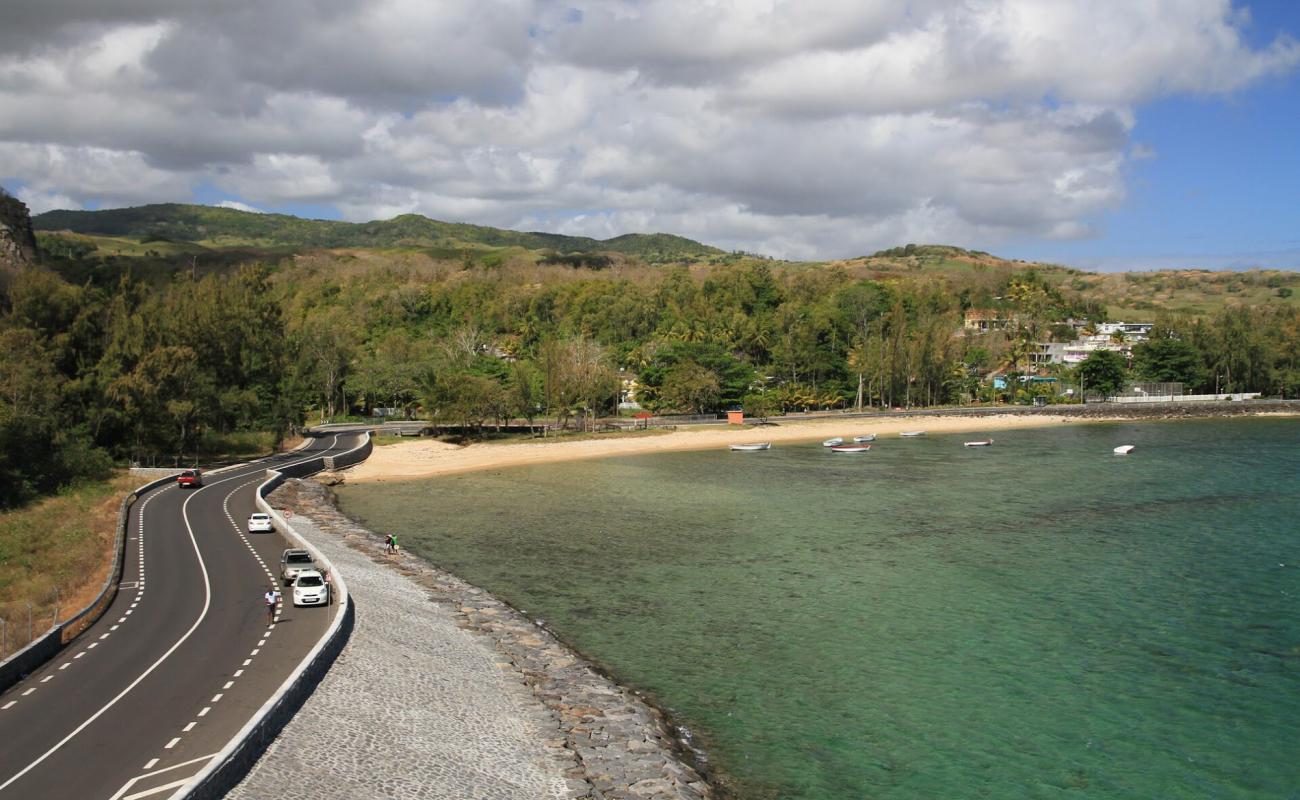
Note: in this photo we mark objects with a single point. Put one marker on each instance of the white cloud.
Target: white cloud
(238, 206)
(794, 128)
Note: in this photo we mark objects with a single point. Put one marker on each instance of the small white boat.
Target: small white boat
(979, 443)
(866, 437)
(838, 440)
(1124, 449)
(910, 434)
(751, 447)
(850, 448)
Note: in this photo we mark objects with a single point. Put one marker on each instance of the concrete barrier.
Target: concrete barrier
(354, 456)
(20, 664)
(229, 767)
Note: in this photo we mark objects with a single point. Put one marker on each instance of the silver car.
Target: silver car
(293, 562)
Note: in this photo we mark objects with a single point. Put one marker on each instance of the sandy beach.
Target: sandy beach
(424, 458)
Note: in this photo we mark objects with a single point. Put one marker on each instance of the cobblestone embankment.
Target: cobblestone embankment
(445, 692)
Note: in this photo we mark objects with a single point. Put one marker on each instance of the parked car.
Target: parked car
(294, 561)
(260, 523)
(310, 589)
(190, 479)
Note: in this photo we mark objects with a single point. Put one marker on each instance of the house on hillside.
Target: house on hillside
(985, 320)
(1131, 331)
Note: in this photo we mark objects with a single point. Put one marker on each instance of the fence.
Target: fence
(1183, 398)
(22, 623)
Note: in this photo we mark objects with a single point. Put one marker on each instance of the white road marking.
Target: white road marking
(255, 651)
(8, 705)
(205, 711)
(65, 665)
(228, 684)
(29, 691)
(189, 727)
(247, 661)
(238, 672)
(92, 645)
(156, 789)
(105, 636)
(46, 678)
(149, 766)
(172, 743)
(216, 698)
(79, 655)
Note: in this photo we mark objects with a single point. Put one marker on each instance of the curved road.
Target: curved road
(178, 664)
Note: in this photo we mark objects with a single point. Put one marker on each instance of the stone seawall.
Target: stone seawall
(446, 692)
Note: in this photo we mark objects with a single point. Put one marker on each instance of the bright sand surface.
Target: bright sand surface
(424, 458)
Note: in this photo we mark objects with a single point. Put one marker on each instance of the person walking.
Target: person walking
(271, 596)
(390, 544)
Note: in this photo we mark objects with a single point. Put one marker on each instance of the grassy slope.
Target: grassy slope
(62, 543)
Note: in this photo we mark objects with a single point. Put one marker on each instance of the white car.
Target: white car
(260, 523)
(310, 589)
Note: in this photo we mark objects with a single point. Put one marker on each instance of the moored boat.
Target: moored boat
(838, 440)
(850, 448)
(866, 437)
(979, 443)
(910, 434)
(751, 447)
(1123, 449)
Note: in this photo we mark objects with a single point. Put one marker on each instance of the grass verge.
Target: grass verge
(56, 553)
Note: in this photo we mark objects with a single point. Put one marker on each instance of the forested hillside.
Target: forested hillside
(127, 347)
(228, 227)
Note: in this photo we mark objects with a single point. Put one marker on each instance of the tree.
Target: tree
(1104, 371)
(690, 387)
(760, 406)
(1168, 360)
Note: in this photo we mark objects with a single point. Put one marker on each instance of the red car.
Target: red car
(190, 478)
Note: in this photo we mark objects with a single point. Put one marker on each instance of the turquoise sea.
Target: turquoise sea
(1036, 619)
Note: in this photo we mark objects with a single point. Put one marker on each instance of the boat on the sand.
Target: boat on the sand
(838, 440)
(866, 437)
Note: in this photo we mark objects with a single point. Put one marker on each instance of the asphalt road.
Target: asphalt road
(178, 663)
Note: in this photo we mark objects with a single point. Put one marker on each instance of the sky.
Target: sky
(1104, 134)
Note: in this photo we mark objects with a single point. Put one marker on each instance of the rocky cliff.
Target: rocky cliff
(17, 242)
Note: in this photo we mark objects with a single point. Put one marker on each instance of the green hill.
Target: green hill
(225, 227)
